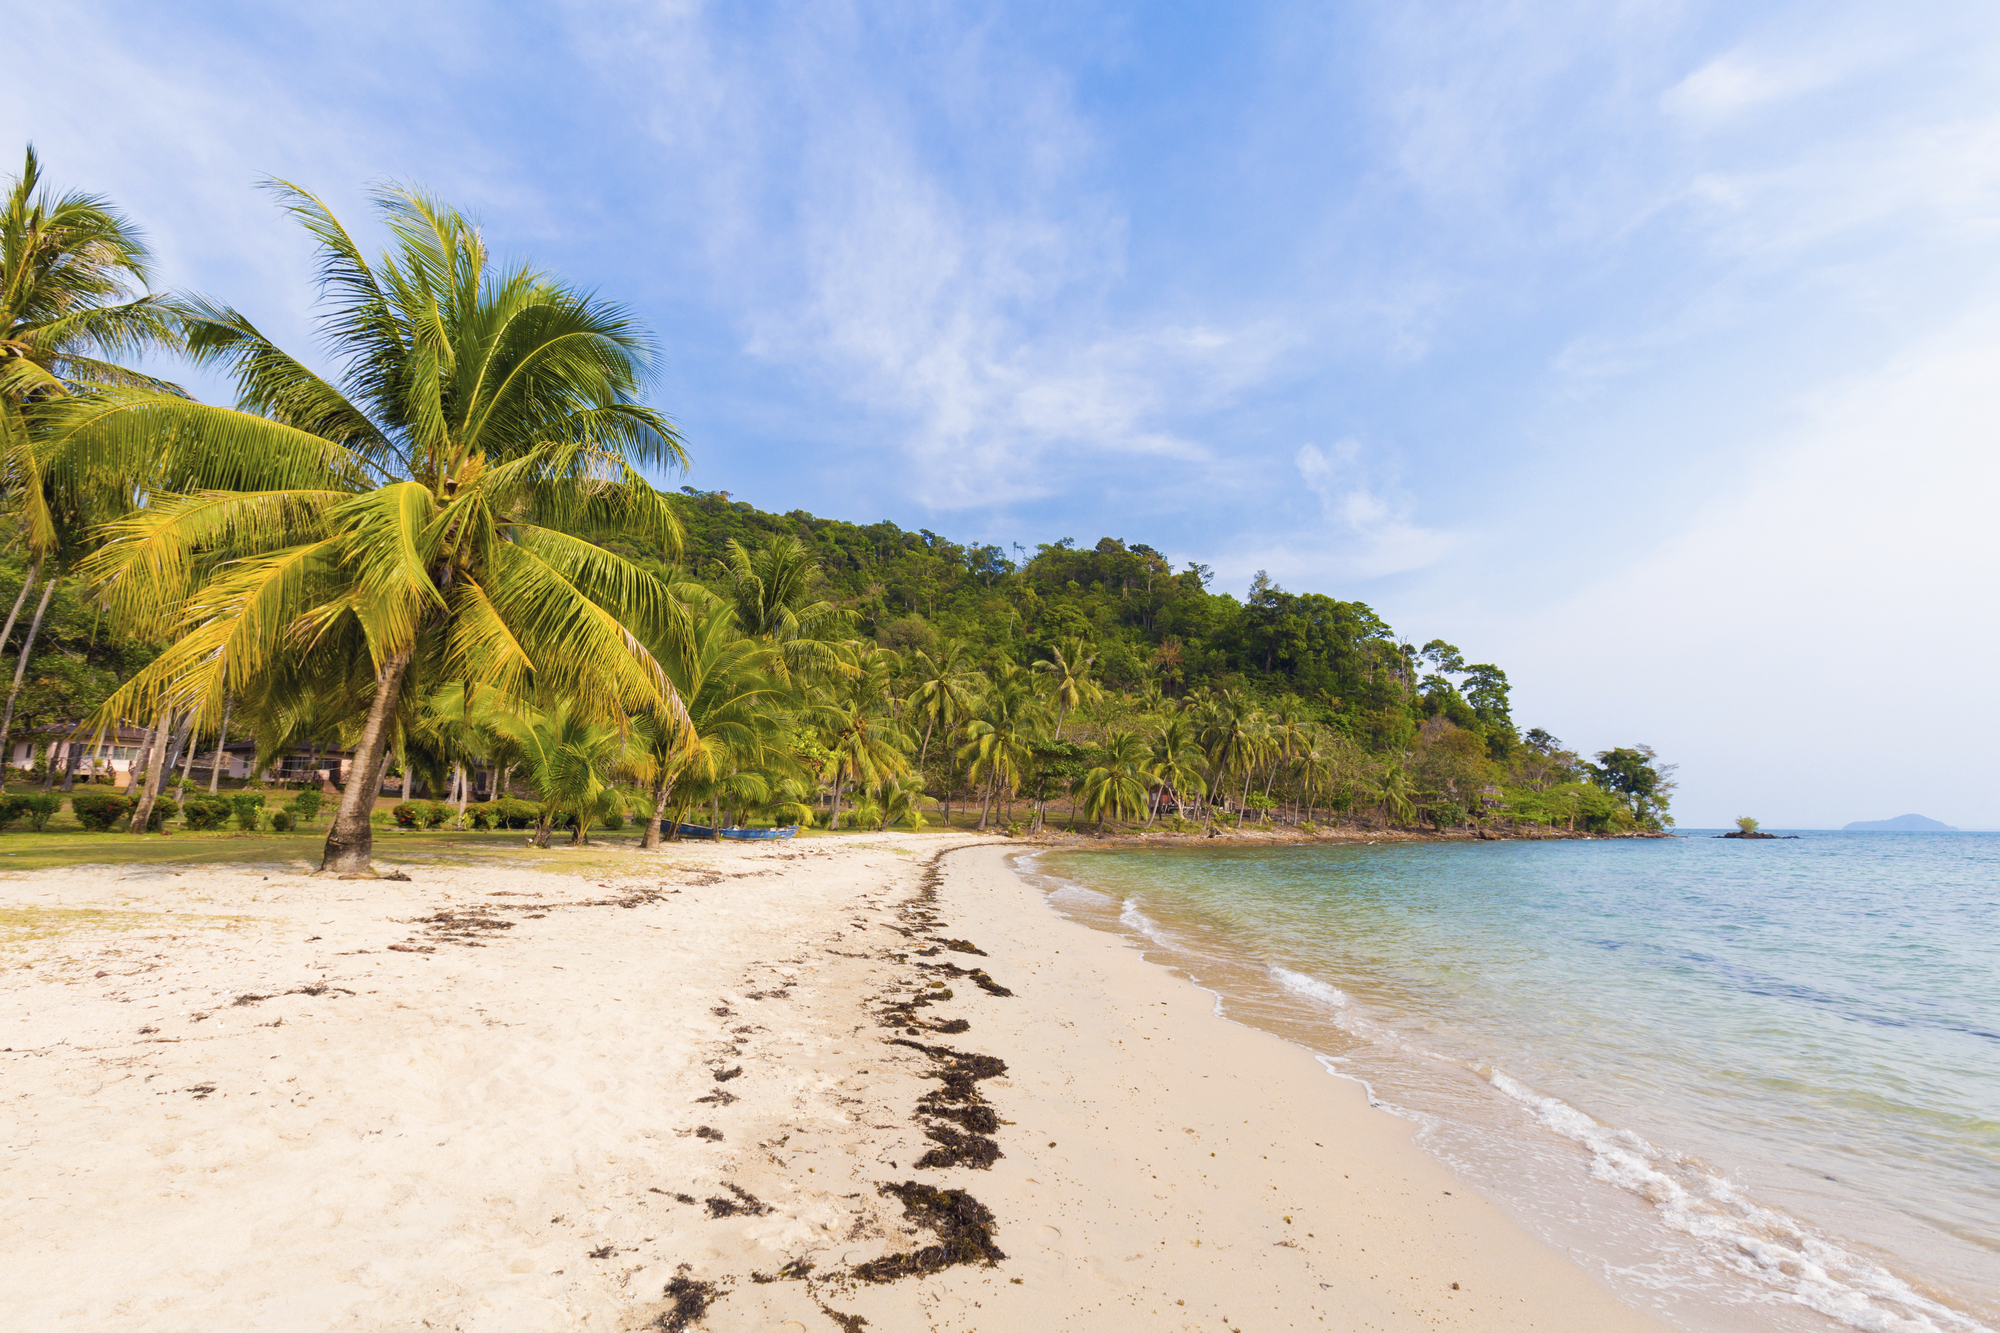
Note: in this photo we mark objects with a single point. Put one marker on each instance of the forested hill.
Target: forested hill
(1152, 626)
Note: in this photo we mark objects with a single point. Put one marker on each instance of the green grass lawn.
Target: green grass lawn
(59, 849)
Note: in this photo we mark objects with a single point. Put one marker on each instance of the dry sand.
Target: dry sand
(508, 1100)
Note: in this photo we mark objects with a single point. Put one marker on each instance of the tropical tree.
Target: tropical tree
(1393, 791)
(1118, 787)
(732, 712)
(573, 762)
(1177, 764)
(430, 514)
(997, 741)
(771, 587)
(1068, 670)
(72, 307)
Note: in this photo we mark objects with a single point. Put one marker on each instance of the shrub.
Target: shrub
(164, 809)
(612, 821)
(306, 805)
(41, 807)
(1306, 826)
(1745, 824)
(99, 810)
(12, 808)
(205, 812)
(479, 814)
(511, 812)
(1447, 814)
(249, 809)
(435, 813)
(281, 821)
(407, 814)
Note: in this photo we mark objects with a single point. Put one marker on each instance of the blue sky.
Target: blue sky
(1647, 349)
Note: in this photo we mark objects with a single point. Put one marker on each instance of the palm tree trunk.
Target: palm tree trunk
(833, 817)
(715, 819)
(187, 761)
(221, 739)
(21, 664)
(20, 600)
(350, 842)
(156, 757)
(661, 795)
(72, 751)
(984, 806)
(462, 784)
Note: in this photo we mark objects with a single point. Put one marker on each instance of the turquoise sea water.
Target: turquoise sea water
(1752, 1085)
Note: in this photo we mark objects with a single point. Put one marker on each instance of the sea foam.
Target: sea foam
(1754, 1241)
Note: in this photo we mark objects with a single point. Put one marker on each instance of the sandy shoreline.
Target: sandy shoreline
(497, 1099)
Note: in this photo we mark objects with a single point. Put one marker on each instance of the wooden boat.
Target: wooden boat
(742, 834)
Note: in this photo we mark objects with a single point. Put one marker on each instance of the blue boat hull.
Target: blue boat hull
(739, 834)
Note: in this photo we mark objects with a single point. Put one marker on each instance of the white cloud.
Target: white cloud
(1368, 530)
(963, 309)
(1735, 82)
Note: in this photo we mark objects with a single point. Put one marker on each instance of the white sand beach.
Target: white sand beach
(671, 1096)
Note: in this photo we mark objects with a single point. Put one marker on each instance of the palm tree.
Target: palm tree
(574, 764)
(731, 714)
(770, 588)
(1118, 787)
(1393, 790)
(1068, 669)
(868, 745)
(69, 264)
(429, 517)
(946, 692)
(1177, 764)
(996, 741)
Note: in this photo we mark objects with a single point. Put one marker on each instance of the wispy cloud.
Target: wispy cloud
(1368, 529)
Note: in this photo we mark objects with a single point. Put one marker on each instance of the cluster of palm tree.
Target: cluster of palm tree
(413, 558)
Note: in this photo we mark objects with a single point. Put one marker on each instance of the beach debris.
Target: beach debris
(691, 1299)
(704, 1132)
(745, 1203)
(674, 1195)
(317, 988)
(963, 1225)
(963, 946)
(724, 1075)
(955, 1116)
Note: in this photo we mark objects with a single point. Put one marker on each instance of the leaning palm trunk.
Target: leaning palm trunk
(350, 842)
(21, 664)
(661, 795)
(20, 600)
(156, 759)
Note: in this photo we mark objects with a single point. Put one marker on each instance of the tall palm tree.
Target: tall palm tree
(770, 587)
(1117, 788)
(996, 742)
(1177, 764)
(1069, 670)
(430, 516)
(70, 265)
(1394, 792)
(945, 692)
(731, 716)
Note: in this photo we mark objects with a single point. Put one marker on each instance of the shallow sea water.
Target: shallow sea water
(1752, 1085)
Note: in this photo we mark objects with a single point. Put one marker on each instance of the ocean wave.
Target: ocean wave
(1746, 1237)
(1130, 917)
(1311, 987)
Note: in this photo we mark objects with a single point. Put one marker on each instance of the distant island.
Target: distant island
(1900, 824)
